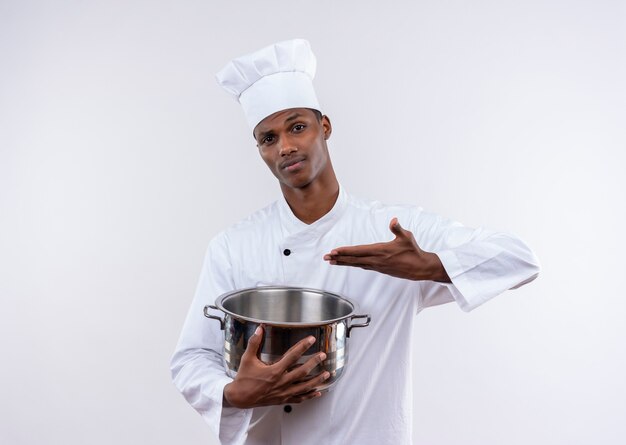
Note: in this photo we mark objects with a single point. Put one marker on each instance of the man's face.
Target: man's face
(293, 145)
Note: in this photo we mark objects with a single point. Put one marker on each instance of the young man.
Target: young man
(303, 239)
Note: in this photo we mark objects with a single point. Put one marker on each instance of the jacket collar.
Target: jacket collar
(292, 226)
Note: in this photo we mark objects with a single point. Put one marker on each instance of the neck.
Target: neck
(315, 200)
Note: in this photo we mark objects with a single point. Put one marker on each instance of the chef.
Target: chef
(394, 261)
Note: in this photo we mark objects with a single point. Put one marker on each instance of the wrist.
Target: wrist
(227, 396)
(436, 271)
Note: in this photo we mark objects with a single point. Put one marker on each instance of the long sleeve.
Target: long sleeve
(197, 364)
(481, 263)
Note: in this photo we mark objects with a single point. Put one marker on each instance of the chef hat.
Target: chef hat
(275, 78)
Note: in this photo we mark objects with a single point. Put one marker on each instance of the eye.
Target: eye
(298, 128)
(267, 139)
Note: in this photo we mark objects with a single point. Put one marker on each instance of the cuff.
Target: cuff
(463, 291)
(229, 424)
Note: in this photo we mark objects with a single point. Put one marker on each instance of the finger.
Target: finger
(254, 344)
(302, 397)
(396, 228)
(310, 385)
(361, 265)
(393, 223)
(362, 250)
(295, 352)
(304, 391)
(305, 369)
(359, 261)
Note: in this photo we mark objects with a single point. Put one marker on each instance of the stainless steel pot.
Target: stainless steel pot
(289, 315)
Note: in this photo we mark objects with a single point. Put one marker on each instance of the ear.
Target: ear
(327, 126)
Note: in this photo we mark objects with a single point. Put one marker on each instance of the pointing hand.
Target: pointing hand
(401, 257)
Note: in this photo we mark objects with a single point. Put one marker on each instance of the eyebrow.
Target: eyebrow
(291, 117)
(262, 135)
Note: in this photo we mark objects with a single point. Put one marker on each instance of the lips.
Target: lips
(291, 162)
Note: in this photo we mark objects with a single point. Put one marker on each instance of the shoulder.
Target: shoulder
(252, 222)
(248, 228)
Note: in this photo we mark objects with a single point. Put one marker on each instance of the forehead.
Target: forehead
(281, 118)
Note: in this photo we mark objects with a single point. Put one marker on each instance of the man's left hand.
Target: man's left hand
(401, 258)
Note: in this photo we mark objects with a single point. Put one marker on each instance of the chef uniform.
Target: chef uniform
(372, 402)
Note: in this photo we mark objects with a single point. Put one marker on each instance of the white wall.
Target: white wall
(120, 158)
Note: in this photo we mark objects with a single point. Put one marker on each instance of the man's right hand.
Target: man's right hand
(260, 384)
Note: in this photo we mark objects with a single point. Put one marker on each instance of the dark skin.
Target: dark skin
(400, 258)
(293, 144)
(260, 384)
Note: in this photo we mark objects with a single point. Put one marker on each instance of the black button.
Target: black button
(287, 252)
(287, 408)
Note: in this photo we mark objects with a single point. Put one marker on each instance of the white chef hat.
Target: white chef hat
(275, 78)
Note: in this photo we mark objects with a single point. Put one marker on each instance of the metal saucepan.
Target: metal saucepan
(289, 315)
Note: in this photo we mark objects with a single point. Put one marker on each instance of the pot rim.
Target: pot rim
(221, 298)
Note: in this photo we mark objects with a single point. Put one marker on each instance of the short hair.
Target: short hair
(318, 114)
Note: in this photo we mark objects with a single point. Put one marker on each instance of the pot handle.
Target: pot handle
(359, 325)
(214, 317)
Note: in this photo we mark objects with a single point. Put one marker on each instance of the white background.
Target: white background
(120, 158)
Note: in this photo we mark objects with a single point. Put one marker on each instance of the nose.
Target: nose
(287, 147)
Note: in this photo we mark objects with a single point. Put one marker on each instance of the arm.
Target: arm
(197, 364)
(481, 264)
(198, 370)
(401, 257)
(478, 263)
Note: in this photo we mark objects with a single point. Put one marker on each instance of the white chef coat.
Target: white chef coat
(372, 402)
